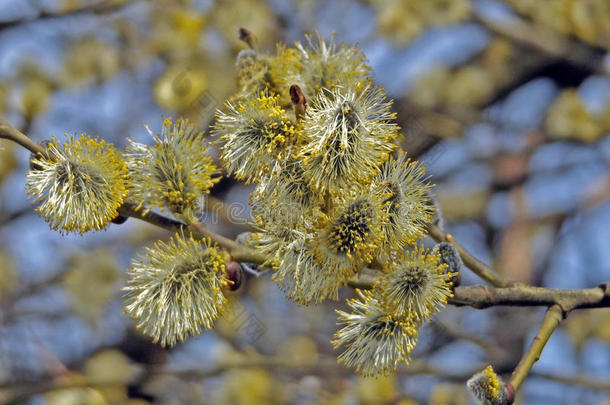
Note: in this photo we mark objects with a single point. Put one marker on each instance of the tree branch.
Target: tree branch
(481, 297)
(587, 381)
(521, 295)
(239, 252)
(546, 41)
(103, 7)
(11, 133)
(478, 267)
(18, 392)
(553, 317)
(324, 366)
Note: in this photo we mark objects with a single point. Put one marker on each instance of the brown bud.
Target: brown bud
(234, 274)
(247, 36)
(510, 393)
(298, 100)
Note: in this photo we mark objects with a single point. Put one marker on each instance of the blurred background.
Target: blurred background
(506, 102)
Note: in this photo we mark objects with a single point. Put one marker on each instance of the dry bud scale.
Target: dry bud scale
(334, 194)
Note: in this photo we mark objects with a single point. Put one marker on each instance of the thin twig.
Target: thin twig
(457, 333)
(553, 317)
(546, 41)
(587, 381)
(11, 133)
(478, 267)
(100, 8)
(239, 252)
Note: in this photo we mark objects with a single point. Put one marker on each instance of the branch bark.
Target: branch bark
(9, 132)
(103, 7)
(553, 317)
(521, 295)
(481, 297)
(548, 42)
(239, 252)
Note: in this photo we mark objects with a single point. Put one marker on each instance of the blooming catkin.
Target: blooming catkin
(317, 66)
(414, 285)
(407, 206)
(253, 130)
(174, 289)
(487, 387)
(352, 229)
(173, 172)
(348, 135)
(302, 278)
(335, 194)
(374, 342)
(80, 184)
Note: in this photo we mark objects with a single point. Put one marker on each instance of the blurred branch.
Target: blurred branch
(578, 379)
(11, 216)
(102, 7)
(454, 331)
(217, 207)
(22, 394)
(325, 367)
(18, 392)
(553, 317)
(7, 301)
(546, 41)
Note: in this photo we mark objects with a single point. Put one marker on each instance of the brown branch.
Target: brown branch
(478, 267)
(11, 133)
(511, 293)
(520, 295)
(481, 297)
(18, 393)
(577, 379)
(100, 8)
(548, 42)
(239, 252)
(455, 332)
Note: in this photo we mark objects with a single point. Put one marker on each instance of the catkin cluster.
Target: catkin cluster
(335, 194)
(175, 288)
